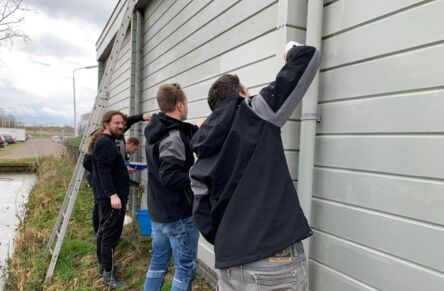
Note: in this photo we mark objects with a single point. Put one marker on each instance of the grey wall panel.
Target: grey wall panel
(119, 86)
(205, 252)
(368, 42)
(403, 155)
(403, 72)
(292, 162)
(193, 33)
(413, 241)
(152, 20)
(323, 278)
(373, 268)
(419, 199)
(248, 30)
(294, 14)
(345, 14)
(419, 112)
(119, 79)
(239, 60)
(179, 22)
(377, 207)
(118, 105)
(174, 10)
(290, 135)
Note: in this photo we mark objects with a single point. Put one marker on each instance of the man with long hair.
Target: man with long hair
(111, 187)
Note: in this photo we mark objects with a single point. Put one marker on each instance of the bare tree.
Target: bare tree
(11, 16)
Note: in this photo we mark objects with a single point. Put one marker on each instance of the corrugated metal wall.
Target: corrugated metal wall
(378, 207)
(194, 42)
(121, 79)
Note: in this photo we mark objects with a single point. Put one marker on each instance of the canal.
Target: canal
(14, 193)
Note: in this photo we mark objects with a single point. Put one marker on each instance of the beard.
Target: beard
(116, 133)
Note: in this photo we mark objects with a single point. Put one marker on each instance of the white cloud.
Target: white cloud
(36, 76)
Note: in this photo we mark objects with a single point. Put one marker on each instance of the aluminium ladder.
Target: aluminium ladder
(59, 231)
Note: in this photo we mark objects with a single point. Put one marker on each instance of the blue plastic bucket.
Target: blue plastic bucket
(144, 222)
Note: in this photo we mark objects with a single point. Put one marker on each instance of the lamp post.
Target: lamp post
(74, 94)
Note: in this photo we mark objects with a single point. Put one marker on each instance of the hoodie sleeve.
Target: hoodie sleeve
(105, 154)
(132, 120)
(172, 160)
(202, 205)
(276, 102)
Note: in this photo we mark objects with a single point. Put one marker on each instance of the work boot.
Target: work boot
(116, 269)
(113, 280)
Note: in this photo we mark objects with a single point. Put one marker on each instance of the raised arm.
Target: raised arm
(276, 102)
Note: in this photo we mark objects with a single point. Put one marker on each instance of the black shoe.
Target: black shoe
(116, 269)
(113, 280)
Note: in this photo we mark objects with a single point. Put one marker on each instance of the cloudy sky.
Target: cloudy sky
(36, 75)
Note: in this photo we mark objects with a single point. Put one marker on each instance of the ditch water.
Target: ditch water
(14, 193)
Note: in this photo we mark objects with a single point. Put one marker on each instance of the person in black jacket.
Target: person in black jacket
(245, 202)
(120, 143)
(170, 198)
(111, 187)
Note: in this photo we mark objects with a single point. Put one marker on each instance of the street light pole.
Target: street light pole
(76, 130)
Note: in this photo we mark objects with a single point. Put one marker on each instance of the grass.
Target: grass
(8, 149)
(77, 267)
(75, 141)
(18, 161)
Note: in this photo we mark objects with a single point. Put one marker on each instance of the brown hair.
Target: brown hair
(168, 95)
(133, 140)
(224, 87)
(106, 118)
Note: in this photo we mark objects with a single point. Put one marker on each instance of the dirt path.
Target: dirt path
(39, 147)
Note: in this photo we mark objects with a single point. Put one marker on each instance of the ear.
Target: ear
(180, 106)
(243, 94)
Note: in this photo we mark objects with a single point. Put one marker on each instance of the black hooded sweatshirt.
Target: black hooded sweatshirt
(169, 157)
(245, 202)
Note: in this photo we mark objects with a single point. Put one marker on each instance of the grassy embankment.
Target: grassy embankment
(77, 267)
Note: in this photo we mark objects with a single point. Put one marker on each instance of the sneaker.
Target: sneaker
(113, 280)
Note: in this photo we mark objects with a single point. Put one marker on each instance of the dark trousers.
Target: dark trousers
(109, 232)
(95, 218)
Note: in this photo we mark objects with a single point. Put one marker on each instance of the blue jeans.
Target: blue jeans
(180, 238)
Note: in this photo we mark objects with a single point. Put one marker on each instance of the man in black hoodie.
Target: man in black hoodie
(245, 202)
(170, 198)
(111, 186)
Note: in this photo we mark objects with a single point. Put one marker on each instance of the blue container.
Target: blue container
(144, 222)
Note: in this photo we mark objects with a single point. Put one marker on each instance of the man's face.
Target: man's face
(131, 148)
(116, 126)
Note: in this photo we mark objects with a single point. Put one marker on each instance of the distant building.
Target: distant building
(83, 123)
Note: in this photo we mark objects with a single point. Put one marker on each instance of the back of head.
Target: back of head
(224, 87)
(133, 140)
(168, 95)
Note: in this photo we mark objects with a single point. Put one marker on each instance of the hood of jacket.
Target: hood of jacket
(160, 124)
(210, 138)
